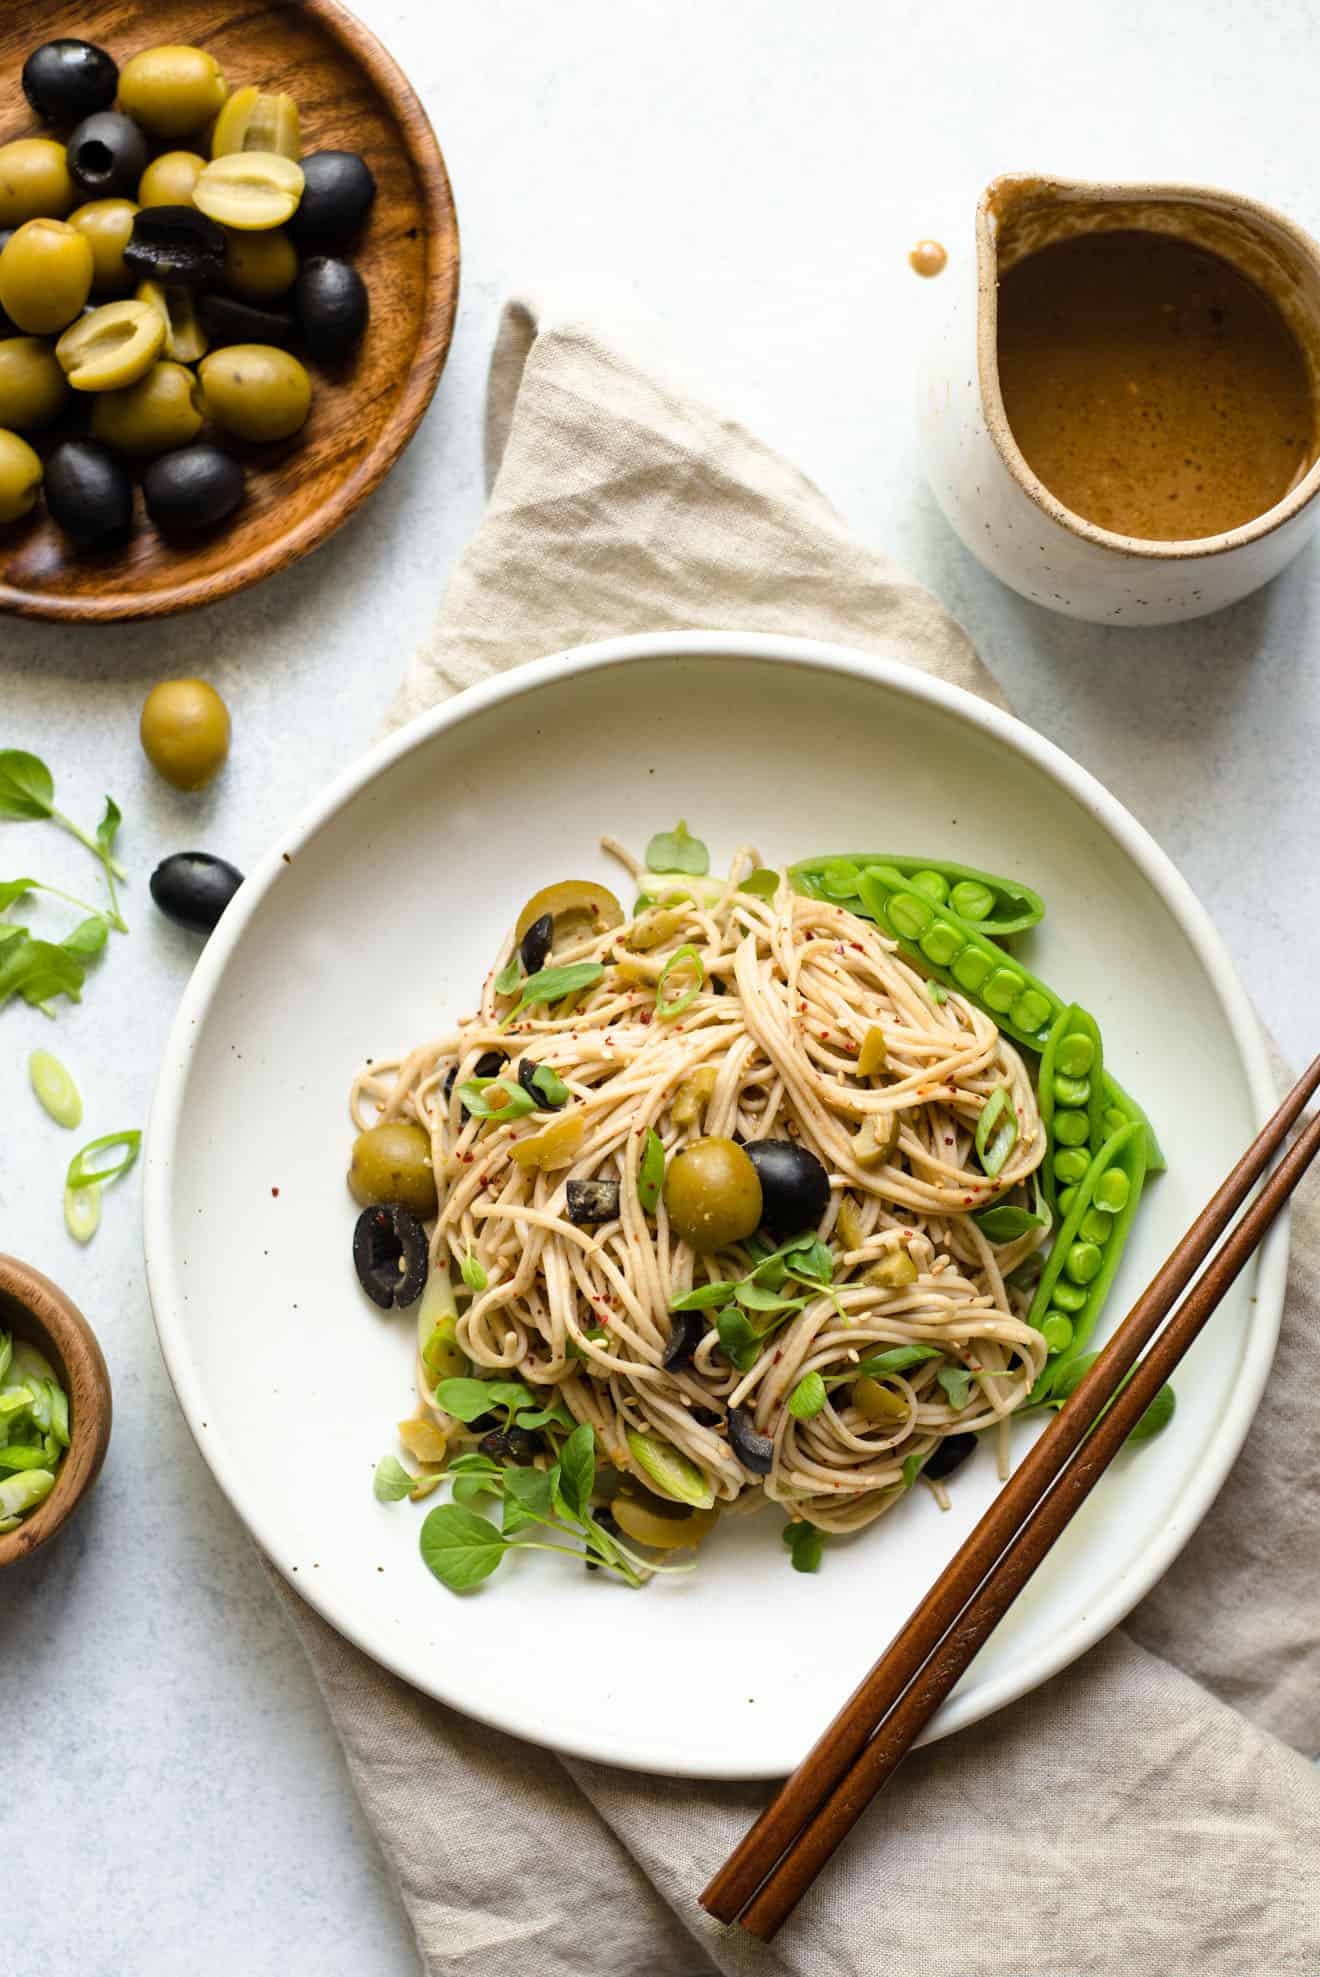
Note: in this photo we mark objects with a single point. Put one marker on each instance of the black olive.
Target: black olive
(755, 1452)
(517, 1445)
(592, 1201)
(338, 189)
(686, 1331)
(948, 1455)
(175, 245)
(527, 1071)
(227, 321)
(107, 156)
(88, 493)
(331, 300)
(192, 488)
(707, 1417)
(795, 1189)
(490, 1064)
(194, 889)
(390, 1255)
(65, 80)
(535, 944)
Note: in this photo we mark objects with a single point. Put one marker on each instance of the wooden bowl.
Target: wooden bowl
(353, 97)
(36, 1310)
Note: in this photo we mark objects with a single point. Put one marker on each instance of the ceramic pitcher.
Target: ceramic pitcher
(999, 507)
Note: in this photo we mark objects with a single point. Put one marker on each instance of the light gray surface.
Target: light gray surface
(754, 173)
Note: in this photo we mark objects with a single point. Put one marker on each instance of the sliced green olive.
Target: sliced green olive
(571, 903)
(257, 120)
(637, 1520)
(185, 339)
(712, 1194)
(892, 1271)
(250, 190)
(392, 1162)
(876, 1141)
(877, 1402)
(112, 347)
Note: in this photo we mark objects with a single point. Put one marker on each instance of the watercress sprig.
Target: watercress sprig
(27, 792)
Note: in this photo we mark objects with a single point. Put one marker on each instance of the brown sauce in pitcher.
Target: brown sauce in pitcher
(1153, 388)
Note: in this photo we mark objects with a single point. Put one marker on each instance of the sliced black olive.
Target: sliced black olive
(193, 888)
(517, 1445)
(67, 79)
(527, 1071)
(490, 1064)
(948, 1455)
(107, 156)
(795, 1189)
(592, 1201)
(88, 493)
(227, 321)
(707, 1417)
(755, 1452)
(390, 1255)
(338, 189)
(175, 245)
(192, 488)
(536, 943)
(331, 300)
(686, 1331)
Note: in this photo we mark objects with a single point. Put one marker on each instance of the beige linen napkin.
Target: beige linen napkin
(1149, 1810)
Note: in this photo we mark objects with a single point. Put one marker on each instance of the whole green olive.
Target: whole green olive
(45, 276)
(712, 1194)
(169, 179)
(260, 266)
(185, 732)
(254, 390)
(32, 385)
(172, 91)
(392, 1162)
(113, 346)
(20, 477)
(162, 410)
(34, 181)
(107, 227)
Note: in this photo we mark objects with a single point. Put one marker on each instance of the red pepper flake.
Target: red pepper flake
(644, 1018)
(775, 1361)
(275, 1191)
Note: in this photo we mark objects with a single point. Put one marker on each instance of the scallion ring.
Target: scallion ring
(82, 1173)
(996, 1131)
(666, 1011)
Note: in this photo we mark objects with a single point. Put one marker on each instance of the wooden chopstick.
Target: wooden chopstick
(823, 1783)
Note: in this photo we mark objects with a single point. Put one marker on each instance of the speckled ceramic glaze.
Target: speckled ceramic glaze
(997, 505)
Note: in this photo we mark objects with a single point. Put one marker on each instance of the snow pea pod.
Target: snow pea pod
(1072, 1100)
(1081, 1264)
(996, 905)
(960, 955)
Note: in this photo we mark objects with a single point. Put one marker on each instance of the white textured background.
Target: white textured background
(754, 171)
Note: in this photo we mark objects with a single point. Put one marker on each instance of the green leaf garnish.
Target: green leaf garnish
(1005, 1223)
(651, 1177)
(737, 1339)
(85, 1172)
(761, 884)
(911, 1469)
(896, 1360)
(550, 1085)
(460, 1547)
(756, 1297)
(805, 1544)
(506, 982)
(27, 792)
(677, 851)
(512, 1102)
(808, 1397)
(577, 1464)
(704, 1297)
(553, 984)
(37, 970)
(392, 1481)
(465, 1399)
(957, 1384)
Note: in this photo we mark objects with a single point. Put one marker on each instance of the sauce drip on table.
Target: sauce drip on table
(927, 258)
(1151, 386)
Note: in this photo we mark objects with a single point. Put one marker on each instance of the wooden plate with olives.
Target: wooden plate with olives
(228, 279)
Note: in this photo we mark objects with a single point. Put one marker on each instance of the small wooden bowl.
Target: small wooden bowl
(36, 1310)
(352, 97)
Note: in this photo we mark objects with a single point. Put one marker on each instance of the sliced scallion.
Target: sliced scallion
(84, 1173)
(82, 1212)
(651, 1173)
(687, 956)
(996, 1131)
(54, 1087)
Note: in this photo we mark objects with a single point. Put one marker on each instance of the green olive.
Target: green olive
(260, 266)
(45, 276)
(651, 1521)
(255, 391)
(185, 339)
(34, 181)
(250, 190)
(107, 226)
(713, 1194)
(161, 411)
(185, 733)
(32, 385)
(253, 120)
(172, 91)
(20, 477)
(115, 345)
(877, 1402)
(393, 1163)
(169, 179)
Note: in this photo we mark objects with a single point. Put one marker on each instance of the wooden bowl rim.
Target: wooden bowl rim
(58, 1322)
(442, 279)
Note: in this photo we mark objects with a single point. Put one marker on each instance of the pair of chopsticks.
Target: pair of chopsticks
(816, 1808)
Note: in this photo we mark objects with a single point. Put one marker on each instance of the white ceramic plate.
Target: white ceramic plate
(368, 928)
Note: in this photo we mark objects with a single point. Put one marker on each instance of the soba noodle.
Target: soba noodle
(790, 989)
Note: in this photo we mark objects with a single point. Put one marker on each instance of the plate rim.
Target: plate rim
(1096, 1619)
